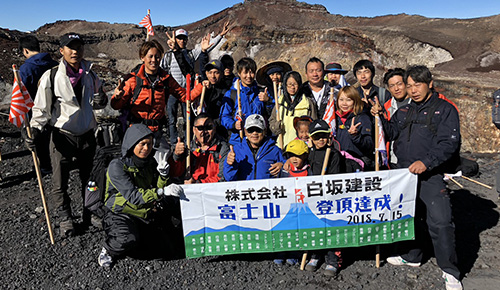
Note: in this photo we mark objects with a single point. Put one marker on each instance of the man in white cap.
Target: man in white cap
(256, 157)
(179, 61)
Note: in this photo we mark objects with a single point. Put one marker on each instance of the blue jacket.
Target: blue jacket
(414, 140)
(32, 70)
(250, 104)
(248, 167)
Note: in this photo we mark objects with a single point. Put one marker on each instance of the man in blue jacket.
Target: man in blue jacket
(30, 72)
(426, 135)
(256, 157)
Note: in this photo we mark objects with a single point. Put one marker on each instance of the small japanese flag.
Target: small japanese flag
(20, 104)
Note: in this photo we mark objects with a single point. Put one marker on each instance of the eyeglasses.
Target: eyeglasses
(292, 85)
(254, 129)
(204, 127)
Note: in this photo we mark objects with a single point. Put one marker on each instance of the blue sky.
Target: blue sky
(31, 14)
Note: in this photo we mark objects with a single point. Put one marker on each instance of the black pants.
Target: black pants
(68, 152)
(160, 236)
(436, 218)
(332, 257)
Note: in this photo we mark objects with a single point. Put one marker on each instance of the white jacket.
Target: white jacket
(66, 113)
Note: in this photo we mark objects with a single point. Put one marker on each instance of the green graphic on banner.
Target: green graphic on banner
(300, 213)
(229, 243)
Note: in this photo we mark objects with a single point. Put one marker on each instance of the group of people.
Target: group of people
(255, 124)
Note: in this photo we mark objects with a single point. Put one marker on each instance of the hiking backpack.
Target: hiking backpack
(96, 186)
(495, 109)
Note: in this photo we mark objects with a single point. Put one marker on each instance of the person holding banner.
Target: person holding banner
(144, 92)
(208, 152)
(426, 135)
(65, 102)
(354, 129)
(256, 157)
(251, 100)
(293, 103)
(141, 209)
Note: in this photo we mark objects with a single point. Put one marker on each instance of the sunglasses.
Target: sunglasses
(254, 129)
(204, 127)
(320, 136)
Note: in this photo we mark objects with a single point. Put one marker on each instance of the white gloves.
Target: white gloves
(161, 158)
(170, 190)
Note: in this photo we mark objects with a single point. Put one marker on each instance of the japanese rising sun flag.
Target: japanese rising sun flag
(146, 22)
(329, 115)
(20, 104)
(381, 142)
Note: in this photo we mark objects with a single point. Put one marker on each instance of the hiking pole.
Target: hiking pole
(37, 165)
(323, 172)
(377, 168)
(476, 182)
(451, 178)
(280, 136)
(201, 100)
(238, 90)
(188, 125)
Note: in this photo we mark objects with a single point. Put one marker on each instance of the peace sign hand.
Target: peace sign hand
(205, 43)
(171, 40)
(225, 29)
(119, 89)
(376, 109)
(354, 128)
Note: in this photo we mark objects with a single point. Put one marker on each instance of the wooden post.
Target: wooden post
(238, 90)
(276, 105)
(37, 165)
(188, 125)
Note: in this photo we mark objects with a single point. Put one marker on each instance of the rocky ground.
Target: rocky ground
(29, 261)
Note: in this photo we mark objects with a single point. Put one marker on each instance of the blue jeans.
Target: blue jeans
(172, 118)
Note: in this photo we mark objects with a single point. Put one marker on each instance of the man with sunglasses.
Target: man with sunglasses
(256, 156)
(208, 152)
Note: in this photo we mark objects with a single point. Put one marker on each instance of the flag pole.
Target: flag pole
(200, 107)
(188, 125)
(37, 165)
(377, 168)
(147, 31)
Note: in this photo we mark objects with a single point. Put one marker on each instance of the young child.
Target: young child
(301, 125)
(252, 100)
(297, 153)
(320, 134)
(354, 127)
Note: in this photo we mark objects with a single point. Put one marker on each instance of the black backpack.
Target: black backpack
(96, 186)
(495, 109)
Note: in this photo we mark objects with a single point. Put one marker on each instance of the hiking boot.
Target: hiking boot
(330, 270)
(105, 260)
(67, 228)
(279, 262)
(451, 282)
(292, 262)
(398, 261)
(312, 265)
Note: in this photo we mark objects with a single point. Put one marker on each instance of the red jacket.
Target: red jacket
(206, 165)
(148, 106)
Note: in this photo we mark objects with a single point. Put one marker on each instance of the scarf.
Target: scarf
(343, 117)
(74, 77)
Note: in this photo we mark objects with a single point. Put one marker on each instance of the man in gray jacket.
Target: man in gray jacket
(65, 100)
(178, 62)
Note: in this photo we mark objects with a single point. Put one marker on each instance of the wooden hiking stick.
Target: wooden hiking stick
(188, 125)
(201, 100)
(323, 172)
(377, 168)
(280, 136)
(476, 182)
(238, 91)
(456, 182)
(37, 165)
